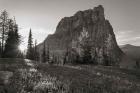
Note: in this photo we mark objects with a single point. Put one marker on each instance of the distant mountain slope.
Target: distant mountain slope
(131, 51)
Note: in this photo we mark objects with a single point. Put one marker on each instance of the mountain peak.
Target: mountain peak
(99, 8)
(72, 31)
(128, 46)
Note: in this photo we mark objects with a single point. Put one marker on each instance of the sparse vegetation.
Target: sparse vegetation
(42, 78)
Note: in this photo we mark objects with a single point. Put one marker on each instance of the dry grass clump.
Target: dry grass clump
(26, 81)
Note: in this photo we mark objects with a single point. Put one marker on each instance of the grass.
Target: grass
(11, 61)
(94, 79)
(68, 79)
(11, 64)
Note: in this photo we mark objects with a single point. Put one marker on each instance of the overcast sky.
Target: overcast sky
(43, 16)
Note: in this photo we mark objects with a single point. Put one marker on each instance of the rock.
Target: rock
(98, 74)
(71, 32)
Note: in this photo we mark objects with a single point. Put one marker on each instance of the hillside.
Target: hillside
(131, 51)
(27, 76)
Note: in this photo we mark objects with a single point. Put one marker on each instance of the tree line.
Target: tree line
(32, 51)
(9, 36)
(34, 54)
(10, 41)
(69, 56)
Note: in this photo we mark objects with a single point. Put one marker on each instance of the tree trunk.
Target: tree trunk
(2, 47)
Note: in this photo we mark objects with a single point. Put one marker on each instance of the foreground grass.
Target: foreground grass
(29, 77)
(94, 79)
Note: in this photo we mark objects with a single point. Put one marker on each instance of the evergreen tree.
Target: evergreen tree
(0, 50)
(17, 40)
(12, 42)
(48, 55)
(86, 55)
(4, 26)
(36, 53)
(106, 61)
(65, 60)
(44, 59)
(29, 54)
(53, 60)
(137, 64)
(78, 59)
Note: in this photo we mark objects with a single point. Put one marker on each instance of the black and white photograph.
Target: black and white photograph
(69, 46)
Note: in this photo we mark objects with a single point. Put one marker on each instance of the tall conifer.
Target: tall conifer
(29, 54)
(44, 53)
(12, 43)
(4, 25)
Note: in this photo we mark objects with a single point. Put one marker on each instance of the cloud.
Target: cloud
(128, 37)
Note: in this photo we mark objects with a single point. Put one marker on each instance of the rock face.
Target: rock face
(71, 32)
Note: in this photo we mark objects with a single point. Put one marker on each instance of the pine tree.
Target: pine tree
(78, 59)
(0, 50)
(137, 64)
(53, 60)
(17, 40)
(65, 60)
(86, 57)
(4, 25)
(48, 55)
(12, 42)
(36, 53)
(44, 59)
(29, 54)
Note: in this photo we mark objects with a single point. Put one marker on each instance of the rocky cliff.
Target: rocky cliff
(89, 24)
